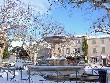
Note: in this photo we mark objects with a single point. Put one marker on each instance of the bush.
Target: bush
(6, 54)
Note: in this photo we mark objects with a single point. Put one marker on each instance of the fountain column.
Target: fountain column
(56, 50)
(35, 57)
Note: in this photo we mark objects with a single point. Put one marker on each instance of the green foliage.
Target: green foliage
(20, 51)
(17, 48)
(23, 53)
(84, 46)
(6, 54)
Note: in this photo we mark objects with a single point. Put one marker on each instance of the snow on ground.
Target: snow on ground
(37, 78)
(94, 69)
(34, 79)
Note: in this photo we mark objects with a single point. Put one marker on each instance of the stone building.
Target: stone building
(65, 46)
(72, 45)
(98, 48)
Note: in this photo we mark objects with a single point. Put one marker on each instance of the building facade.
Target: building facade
(98, 48)
(71, 46)
(68, 48)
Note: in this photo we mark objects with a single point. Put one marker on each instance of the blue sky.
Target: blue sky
(74, 20)
(77, 24)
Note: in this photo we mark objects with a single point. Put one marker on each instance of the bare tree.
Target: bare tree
(16, 18)
(53, 28)
(17, 21)
(101, 24)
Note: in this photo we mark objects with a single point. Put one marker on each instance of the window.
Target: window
(75, 50)
(78, 41)
(102, 41)
(93, 60)
(59, 50)
(93, 42)
(103, 49)
(1, 45)
(94, 50)
(68, 50)
(78, 50)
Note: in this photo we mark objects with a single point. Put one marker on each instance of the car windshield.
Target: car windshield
(82, 62)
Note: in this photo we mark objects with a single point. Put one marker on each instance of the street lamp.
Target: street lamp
(75, 53)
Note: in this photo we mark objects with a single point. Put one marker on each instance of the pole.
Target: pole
(76, 76)
(7, 73)
(21, 73)
(75, 53)
(14, 73)
(75, 58)
(29, 77)
(57, 76)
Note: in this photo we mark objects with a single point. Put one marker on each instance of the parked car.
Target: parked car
(11, 64)
(81, 63)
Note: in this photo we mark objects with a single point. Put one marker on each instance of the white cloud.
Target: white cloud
(39, 5)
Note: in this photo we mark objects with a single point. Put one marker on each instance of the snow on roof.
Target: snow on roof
(88, 36)
(62, 57)
(99, 36)
(80, 35)
(16, 43)
(93, 36)
(53, 57)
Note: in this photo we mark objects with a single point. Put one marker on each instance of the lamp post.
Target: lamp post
(75, 53)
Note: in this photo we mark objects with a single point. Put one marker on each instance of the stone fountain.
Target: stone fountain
(56, 57)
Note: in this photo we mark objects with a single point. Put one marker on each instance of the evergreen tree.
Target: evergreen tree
(84, 48)
(6, 54)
